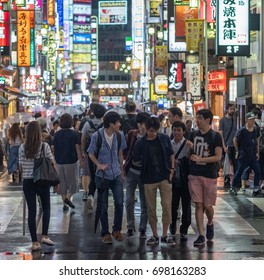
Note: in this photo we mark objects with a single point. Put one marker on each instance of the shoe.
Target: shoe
(107, 239)
(67, 201)
(167, 240)
(172, 229)
(183, 237)
(47, 241)
(142, 234)
(65, 208)
(210, 232)
(243, 190)
(117, 235)
(90, 202)
(36, 247)
(153, 240)
(85, 196)
(130, 233)
(200, 241)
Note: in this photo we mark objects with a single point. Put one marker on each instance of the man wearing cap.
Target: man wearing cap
(246, 143)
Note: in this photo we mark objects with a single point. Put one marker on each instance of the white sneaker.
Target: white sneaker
(90, 202)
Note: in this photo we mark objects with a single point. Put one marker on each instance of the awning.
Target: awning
(13, 91)
(3, 100)
(6, 72)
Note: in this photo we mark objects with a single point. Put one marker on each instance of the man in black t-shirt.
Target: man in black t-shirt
(246, 143)
(206, 152)
(154, 153)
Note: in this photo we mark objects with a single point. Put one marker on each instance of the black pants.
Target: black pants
(31, 190)
(181, 192)
(232, 157)
(92, 185)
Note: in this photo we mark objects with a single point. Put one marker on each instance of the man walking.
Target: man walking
(228, 128)
(108, 158)
(207, 151)
(246, 143)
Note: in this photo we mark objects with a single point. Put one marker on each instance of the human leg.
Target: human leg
(186, 210)
(174, 207)
(143, 206)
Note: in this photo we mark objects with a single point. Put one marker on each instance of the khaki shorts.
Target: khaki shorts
(203, 190)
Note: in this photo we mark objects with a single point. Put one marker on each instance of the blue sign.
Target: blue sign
(81, 38)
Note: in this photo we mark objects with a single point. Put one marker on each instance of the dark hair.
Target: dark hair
(99, 111)
(130, 106)
(66, 121)
(176, 111)
(32, 139)
(179, 124)
(152, 122)
(55, 122)
(206, 113)
(93, 105)
(257, 112)
(188, 121)
(37, 115)
(111, 117)
(15, 131)
(161, 117)
(229, 105)
(142, 117)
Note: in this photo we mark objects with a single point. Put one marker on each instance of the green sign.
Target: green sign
(181, 2)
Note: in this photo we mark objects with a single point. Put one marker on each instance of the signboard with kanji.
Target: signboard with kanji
(233, 38)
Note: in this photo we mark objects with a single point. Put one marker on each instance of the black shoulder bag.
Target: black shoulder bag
(44, 172)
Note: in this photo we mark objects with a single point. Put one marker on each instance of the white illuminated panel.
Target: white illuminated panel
(111, 13)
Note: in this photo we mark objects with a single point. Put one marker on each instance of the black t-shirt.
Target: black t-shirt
(64, 142)
(247, 143)
(204, 146)
(155, 170)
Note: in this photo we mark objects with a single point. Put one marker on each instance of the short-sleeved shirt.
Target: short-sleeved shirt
(228, 126)
(204, 146)
(28, 163)
(107, 155)
(65, 141)
(247, 143)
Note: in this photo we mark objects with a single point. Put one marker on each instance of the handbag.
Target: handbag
(44, 172)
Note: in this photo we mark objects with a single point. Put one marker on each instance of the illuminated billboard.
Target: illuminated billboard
(111, 13)
(233, 28)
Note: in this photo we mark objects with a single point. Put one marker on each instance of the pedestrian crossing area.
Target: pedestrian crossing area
(227, 219)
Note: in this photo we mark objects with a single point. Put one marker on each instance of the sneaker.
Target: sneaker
(210, 232)
(142, 234)
(243, 189)
(107, 239)
(130, 233)
(65, 208)
(167, 240)
(200, 241)
(117, 235)
(36, 247)
(47, 241)
(85, 196)
(90, 202)
(183, 237)
(153, 240)
(67, 201)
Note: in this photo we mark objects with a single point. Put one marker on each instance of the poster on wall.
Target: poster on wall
(176, 80)
(112, 12)
(193, 79)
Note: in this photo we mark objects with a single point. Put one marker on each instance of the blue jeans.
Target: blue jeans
(31, 190)
(116, 187)
(242, 164)
(132, 181)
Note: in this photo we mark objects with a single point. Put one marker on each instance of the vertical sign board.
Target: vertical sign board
(193, 79)
(25, 38)
(233, 28)
(176, 80)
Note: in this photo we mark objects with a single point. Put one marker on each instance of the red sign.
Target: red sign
(199, 106)
(217, 80)
(4, 28)
(181, 14)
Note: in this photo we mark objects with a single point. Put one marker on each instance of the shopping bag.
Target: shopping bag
(228, 168)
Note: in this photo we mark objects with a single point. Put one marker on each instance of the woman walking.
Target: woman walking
(67, 152)
(15, 139)
(28, 151)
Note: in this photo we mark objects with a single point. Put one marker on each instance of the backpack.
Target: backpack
(93, 128)
(128, 124)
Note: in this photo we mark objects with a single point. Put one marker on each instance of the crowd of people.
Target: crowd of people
(103, 151)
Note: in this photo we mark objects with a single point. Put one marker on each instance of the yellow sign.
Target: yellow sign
(194, 31)
(23, 38)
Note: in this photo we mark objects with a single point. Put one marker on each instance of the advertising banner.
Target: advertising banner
(25, 38)
(193, 84)
(232, 28)
(112, 12)
(194, 31)
(181, 14)
(176, 81)
(217, 80)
